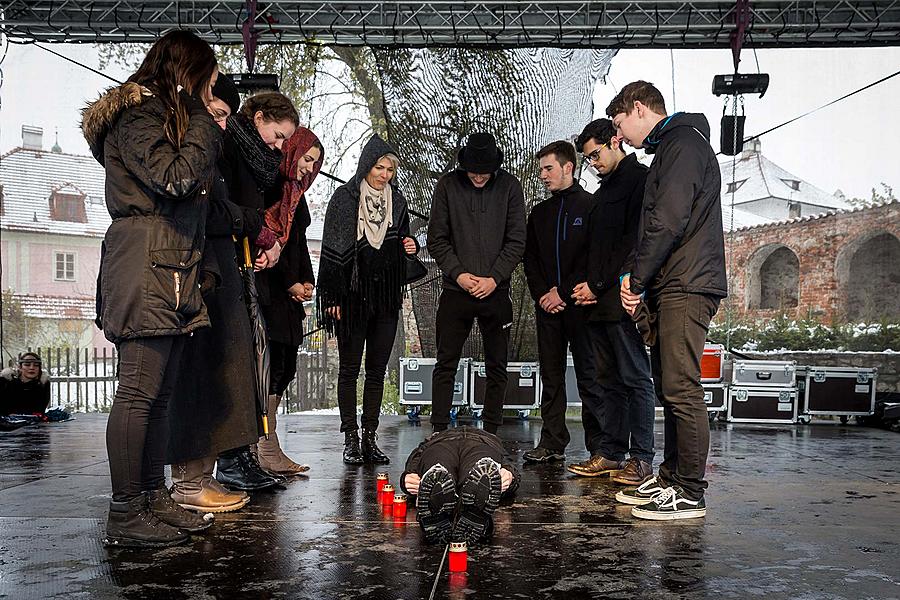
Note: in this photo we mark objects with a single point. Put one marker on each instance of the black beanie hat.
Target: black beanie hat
(227, 92)
(480, 154)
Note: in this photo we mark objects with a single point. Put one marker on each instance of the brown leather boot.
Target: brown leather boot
(635, 472)
(271, 457)
(192, 489)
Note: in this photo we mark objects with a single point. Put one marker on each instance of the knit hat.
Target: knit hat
(227, 92)
(480, 154)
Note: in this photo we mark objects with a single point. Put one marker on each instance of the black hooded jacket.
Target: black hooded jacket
(558, 240)
(157, 196)
(681, 246)
(477, 231)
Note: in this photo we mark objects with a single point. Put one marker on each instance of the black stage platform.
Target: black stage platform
(812, 512)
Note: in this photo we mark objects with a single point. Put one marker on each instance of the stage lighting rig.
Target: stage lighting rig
(740, 83)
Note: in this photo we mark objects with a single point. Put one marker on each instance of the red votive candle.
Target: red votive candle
(458, 557)
(387, 494)
(399, 505)
(380, 480)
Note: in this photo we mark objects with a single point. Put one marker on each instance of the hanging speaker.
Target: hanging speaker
(730, 143)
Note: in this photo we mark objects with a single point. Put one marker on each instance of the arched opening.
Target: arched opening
(779, 280)
(873, 280)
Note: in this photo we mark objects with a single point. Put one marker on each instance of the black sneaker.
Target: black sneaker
(642, 494)
(435, 504)
(540, 454)
(669, 505)
(479, 498)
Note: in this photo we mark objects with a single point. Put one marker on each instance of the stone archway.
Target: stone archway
(774, 278)
(868, 269)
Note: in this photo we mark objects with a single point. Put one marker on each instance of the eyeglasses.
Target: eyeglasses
(30, 363)
(595, 155)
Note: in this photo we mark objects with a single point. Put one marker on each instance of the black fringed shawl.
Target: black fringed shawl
(352, 275)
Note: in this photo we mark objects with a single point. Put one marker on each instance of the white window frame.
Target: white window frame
(65, 253)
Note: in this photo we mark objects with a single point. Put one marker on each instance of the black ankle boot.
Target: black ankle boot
(370, 451)
(352, 454)
(238, 470)
(133, 524)
(165, 509)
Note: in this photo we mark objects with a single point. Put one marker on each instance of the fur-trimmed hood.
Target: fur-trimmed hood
(12, 373)
(98, 117)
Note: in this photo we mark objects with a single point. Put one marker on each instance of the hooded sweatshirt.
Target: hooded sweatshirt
(681, 246)
(477, 231)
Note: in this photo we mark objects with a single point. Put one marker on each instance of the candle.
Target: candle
(458, 557)
(380, 480)
(399, 505)
(387, 494)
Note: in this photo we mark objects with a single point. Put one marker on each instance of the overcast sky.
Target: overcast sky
(850, 146)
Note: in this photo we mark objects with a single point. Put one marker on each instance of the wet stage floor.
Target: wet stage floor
(811, 512)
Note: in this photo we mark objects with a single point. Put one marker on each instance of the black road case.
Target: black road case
(842, 391)
(762, 404)
(415, 381)
(522, 387)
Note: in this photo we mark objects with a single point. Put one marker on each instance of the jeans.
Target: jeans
(556, 333)
(376, 333)
(682, 321)
(456, 314)
(626, 410)
(137, 432)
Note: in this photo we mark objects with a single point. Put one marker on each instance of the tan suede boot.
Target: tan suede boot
(271, 457)
(191, 489)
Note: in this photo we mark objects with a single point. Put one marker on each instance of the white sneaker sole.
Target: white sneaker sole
(653, 515)
(625, 499)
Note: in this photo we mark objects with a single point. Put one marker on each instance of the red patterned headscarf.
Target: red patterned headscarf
(280, 215)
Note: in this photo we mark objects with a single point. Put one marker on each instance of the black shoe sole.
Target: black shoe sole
(124, 542)
(479, 499)
(549, 458)
(377, 461)
(354, 462)
(436, 484)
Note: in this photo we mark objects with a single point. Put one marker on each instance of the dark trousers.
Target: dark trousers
(457, 456)
(137, 432)
(376, 333)
(627, 404)
(555, 334)
(682, 321)
(456, 314)
(283, 359)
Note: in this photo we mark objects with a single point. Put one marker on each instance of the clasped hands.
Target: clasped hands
(480, 287)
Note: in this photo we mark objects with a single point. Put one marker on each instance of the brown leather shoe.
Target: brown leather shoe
(635, 472)
(595, 466)
(193, 489)
(271, 457)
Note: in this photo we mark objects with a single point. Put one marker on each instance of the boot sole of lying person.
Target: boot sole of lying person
(479, 499)
(436, 503)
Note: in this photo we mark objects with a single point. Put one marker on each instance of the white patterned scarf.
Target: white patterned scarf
(375, 213)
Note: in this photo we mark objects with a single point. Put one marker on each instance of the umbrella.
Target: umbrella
(261, 365)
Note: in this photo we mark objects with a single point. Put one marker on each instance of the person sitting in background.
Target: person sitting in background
(25, 389)
(461, 467)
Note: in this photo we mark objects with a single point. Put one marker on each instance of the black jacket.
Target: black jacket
(460, 440)
(681, 246)
(477, 231)
(557, 242)
(243, 190)
(156, 194)
(619, 200)
(19, 397)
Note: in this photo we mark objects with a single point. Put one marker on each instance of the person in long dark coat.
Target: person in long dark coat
(211, 412)
(284, 287)
(158, 145)
(250, 163)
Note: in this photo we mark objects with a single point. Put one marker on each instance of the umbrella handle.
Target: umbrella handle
(265, 422)
(247, 262)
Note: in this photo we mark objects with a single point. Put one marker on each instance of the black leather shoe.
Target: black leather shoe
(352, 453)
(370, 450)
(540, 454)
(238, 470)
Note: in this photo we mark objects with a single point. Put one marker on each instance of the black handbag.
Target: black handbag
(415, 269)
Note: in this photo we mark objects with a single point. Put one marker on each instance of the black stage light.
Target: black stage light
(730, 142)
(740, 83)
(255, 82)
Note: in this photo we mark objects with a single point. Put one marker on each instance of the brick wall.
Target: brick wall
(835, 252)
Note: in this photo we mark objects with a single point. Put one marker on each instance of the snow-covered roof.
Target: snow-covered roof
(742, 218)
(758, 178)
(830, 213)
(29, 177)
(57, 307)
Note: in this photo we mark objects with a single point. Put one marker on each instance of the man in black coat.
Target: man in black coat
(476, 234)
(626, 388)
(556, 260)
(678, 270)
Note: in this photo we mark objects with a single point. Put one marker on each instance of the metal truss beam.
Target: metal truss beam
(562, 23)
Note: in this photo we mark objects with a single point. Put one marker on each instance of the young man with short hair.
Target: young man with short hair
(476, 234)
(678, 271)
(626, 389)
(556, 260)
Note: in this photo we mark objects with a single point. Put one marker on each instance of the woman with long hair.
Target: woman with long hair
(285, 287)
(158, 144)
(250, 162)
(362, 274)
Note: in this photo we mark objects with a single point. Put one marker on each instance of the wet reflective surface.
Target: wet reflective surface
(812, 512)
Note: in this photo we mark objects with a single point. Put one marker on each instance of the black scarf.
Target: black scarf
(262, 160)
